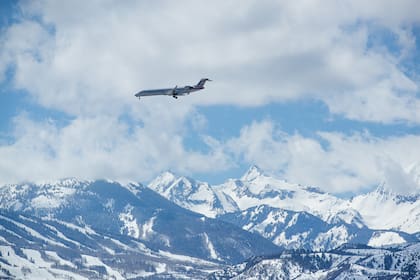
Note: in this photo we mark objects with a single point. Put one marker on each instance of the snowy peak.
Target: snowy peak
(279, 193)
(163, 181)
(194, 195)
(252, 173)
(383, 193)
(384, 209)
(256, 183)
(174, 187)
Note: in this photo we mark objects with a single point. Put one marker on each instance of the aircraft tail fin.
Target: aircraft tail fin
(202, 82)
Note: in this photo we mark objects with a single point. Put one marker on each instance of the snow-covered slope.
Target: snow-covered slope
(31, 248)
(383, 209)
(401, 262)
(292, 229)
(39, 197)
(138, 212)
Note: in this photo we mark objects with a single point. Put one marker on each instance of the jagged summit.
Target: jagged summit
(169, 176)
(192, 194)
(166, 177)
(170, 184)
(384, 193)
(252, 173)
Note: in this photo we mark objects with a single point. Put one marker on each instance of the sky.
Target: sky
(321, 93)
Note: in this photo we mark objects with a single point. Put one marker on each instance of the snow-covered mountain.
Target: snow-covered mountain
(31, 248)
(178, 227)
(385, 209)
(296, 216)
(347, 262)
(256, 188)
(301, 230)
(379, 209)
(137, 212)
(253, 189)
(193, 195)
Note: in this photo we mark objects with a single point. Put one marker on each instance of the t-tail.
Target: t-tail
(202, 82)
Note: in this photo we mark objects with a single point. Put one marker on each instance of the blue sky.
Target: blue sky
(322, 93)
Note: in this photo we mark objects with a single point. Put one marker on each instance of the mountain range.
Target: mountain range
(292, 215)
(178, 227)
(138, 212)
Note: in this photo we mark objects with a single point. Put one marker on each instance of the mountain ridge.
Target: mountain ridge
(138, 212)
(380, 210)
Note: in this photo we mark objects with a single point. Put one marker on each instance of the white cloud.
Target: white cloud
(105, 147)
(100, 147)
(97, 53)
(334, 162)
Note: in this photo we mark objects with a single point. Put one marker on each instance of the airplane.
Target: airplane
(174, 92)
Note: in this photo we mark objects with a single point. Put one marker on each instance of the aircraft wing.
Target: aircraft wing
(165, 91)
